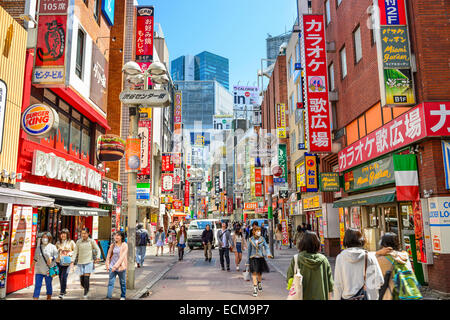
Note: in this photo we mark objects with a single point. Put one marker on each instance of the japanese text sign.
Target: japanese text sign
(167, 163)
(144, 34)
(395, 47)
(167, 182)
(319, 121)
(145, 134)
(53, 6)
(281, 120)
(311, 173)
(392, 12)
(178, 108)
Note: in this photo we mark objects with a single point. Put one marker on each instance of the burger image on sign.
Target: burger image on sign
(110, 148)
(39, 120)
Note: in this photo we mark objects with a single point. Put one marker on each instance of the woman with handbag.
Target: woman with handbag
(116, 264)
(314, 268)
(45, 265)
(85, 254)
(352, 266)
(258, 250)
(181, 242)
(65, 248)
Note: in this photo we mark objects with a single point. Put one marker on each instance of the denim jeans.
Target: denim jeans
(140, 254)
(112, 279)
(63, 274)
(38, 284)
(224, 252)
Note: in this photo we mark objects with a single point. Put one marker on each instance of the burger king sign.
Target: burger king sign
(39, 120)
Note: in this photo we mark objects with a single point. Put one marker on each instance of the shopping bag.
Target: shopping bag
(296, 291)
(246, 274)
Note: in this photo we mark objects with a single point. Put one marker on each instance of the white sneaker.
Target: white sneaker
(122, 298)
(85, 297)
(237, 268)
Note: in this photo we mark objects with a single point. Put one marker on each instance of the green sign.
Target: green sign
(395, 47)
(399, 87)
(374, 174)
(329, 181)
(282, 160)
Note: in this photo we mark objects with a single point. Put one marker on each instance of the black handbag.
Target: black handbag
(362, 293)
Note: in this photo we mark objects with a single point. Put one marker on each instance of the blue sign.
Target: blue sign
(446, 155)
(391, 11)
(279, 180)
(108, 11)
(142, 194)
(301, 146)
(298, 66)
(200, 139)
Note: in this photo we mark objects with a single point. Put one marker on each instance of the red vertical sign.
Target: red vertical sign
(230, 205)
(144, 36)
(186, 194)
(317, 83)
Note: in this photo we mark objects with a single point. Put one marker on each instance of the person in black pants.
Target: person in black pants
(207, 239)
(225, 244)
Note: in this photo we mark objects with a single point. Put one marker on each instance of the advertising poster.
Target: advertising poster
(95, 227)
(419, 232)
(439, 209)
(145, 136)
(341, 227)
(20, 255)
(282, 160)
(132, 155)
(284, 230)
(300, 176)
(4, 244)
(399, 87)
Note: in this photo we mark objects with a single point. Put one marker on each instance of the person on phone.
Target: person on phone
(86, 253)
(116, 264)
(65, 247)
(239, 244)
(44, 259)
(207, 240)
(258, 250)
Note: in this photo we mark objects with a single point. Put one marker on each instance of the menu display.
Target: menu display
(20, 255)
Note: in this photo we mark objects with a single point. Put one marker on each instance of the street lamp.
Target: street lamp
(135, 75)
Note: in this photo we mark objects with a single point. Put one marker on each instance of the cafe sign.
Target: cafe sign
(329, 181)
(377, 173)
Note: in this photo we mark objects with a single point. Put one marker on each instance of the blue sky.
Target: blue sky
(235, 29)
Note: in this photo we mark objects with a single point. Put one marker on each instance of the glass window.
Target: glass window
(75, 138)
(97, 10)
(343, 56)
(331, 76)
(291, 67)
(85, 144)
(50, 96)
(76, 115)
(63, 132)
(328, 12)
(357, 44)
(64, 106)
(80, 54)
(339, 2)
(373, 217)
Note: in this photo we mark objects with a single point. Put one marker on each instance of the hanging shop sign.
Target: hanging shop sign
(3, 97)
(99, 78)
(110, 192)
(300, 177)
(144, 34)
(377, 173)
(439, 209)
(230, 205)
(153, 98)
(39, 120)
(268, 184)
(259, 190)
(282, 161)
(167, 163)
(110, 147)
(284, 232)
(329, 181)
(250, 205)
(311, 173)
(319, 120)
(132, 155)
(108, 11)
(178, 107)
(395, 47)
(311, 203)
(281, 120)
(392, 12)
(145, 136)
(49, 62)
(57, 168)
(167, 182)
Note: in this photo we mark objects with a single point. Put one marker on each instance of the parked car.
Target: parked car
(195, 230)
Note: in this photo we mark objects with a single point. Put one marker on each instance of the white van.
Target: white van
(195, 230)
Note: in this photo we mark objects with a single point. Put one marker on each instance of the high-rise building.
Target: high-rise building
(203, 66)
(273, 45)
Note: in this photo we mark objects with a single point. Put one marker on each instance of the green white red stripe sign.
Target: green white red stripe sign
(406, 177)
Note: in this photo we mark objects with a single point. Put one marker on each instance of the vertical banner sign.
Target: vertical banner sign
(50, 59)
(178, 108)
(319, 120)
(252, 178)
(167, 163)
(4, 245)
(132, 155)
(230, 205)
(394, 54)
(20, 255)
(284, 231)
(186, 194)
(281, 120)
(178, 118)
(282, 160)
(145, 134)
(311, 173)
(144, 36)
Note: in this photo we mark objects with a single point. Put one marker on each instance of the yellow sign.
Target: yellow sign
(300, 173)
(311, 173)
(311, 203)
(154, 218)
(281, 120)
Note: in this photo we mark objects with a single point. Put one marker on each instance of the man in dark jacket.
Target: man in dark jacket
(225, 243)
(142, 239)
(207, 239)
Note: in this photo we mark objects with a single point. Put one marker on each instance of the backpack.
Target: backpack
(406, 286)
(141, 238)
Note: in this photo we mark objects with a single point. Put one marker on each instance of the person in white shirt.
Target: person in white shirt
(350, 269)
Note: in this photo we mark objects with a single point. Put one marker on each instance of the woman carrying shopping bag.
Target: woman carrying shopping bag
(45, 265)
(65, 248)
(314, 268)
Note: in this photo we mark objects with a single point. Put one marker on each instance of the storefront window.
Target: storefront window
(356, 218)
(63, 133)
(85, 144)
(390, 218)
(373, 217)
(75, 138)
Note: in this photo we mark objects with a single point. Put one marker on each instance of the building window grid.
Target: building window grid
(80, 53)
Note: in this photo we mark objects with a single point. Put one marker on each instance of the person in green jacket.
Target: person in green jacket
(314, 267)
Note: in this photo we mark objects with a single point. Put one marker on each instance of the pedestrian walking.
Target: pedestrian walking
(172, 239)
(116, 264)
(400, 282)
(352, 266)
(65, 247)
(181, 242)
(278, 237)
(207, 239)
(298, 235)
(264, 232)
(250, 231)
(44, 264)
(85, 254)
(225, 244)
(314, 267)
(290, 235)
(239, 244)
(258, 250)
(142, 239)
(160, 238)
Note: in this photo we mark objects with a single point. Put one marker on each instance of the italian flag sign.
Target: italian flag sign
(406, 177)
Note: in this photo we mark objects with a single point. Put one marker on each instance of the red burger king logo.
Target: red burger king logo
(39, 120)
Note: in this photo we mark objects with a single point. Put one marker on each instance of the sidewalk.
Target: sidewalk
(154, 269)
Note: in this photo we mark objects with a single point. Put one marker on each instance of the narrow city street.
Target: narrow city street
(196, 279)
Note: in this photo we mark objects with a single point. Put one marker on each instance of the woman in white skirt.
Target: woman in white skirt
(160, 237)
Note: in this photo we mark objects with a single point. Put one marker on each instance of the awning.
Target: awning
(19, 197)
(363, 199)
(83, 211)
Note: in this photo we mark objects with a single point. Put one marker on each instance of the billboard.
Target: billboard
(223, 122)
(319, 120)
(200, 139)
(144, 36)
(245, 97)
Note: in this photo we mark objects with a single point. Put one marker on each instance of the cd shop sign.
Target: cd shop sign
(53, 167)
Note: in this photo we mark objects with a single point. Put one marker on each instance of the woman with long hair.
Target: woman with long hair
(117, 263)
(172, 239)
(181, 242)
(279, 237)
(258, 250)
(160, 238)
(65, 247)
(239, 245)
